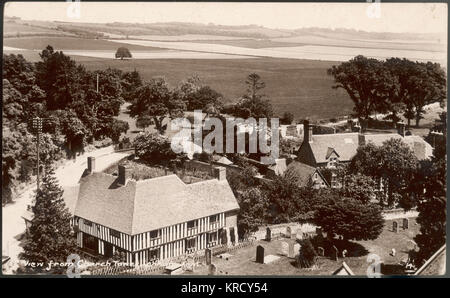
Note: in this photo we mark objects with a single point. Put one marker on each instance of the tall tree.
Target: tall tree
(368, 83)
(253, 208)
(51, 236)
(204, 98)
(130, 82)
(158, 101)
(428, 86)
(403, 70)
(349, 218)
(360, 187)
(60, 77)
(393, 162)
(254, 103)
(123, 52)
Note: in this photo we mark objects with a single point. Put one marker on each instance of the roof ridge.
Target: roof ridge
(158, 178)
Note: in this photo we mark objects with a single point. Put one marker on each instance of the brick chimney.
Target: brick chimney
(91, 164)
(220, 173)
(124, 175)
(307, 131)
(401, 128)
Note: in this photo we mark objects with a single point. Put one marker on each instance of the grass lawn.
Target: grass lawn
(243, 260)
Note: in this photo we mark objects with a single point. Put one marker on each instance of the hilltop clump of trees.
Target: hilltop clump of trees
(65, 94)
(395, 86)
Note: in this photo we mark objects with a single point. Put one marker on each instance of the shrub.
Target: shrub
(307, 256)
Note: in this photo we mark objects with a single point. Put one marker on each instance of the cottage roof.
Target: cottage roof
(301, 173)
(142, 206)
(345, 145)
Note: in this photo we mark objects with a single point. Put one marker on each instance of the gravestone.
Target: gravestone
(268, 234)
(212, 269)
(344, 253)
(296, 249)
(405, 224)
(291, 253)
(284, 248)
(335, 253)
(321, 251)
(208, 256)
(394, 226)
(288, 232)
(260, 254)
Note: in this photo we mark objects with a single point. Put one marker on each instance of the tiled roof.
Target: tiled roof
(435, 265)
(422, 150)
(142, 206)
(346, 144)
(299, 173)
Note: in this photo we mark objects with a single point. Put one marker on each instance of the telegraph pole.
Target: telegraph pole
(37, 126)
(97, 83)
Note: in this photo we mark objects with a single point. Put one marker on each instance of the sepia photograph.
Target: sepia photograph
(224, 139)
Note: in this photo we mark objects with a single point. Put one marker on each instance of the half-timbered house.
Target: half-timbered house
(151, 219)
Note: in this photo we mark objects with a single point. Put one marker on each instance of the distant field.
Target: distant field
(301, 87)
(251, 43)
(312, 52)
(69, 43)
(15, 29)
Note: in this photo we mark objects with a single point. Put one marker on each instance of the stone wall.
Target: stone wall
(281, 229)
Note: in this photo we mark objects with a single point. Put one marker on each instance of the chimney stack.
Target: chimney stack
(220, 173)
(307, 131)
(91, 164)
(124, 175)
(401, 128)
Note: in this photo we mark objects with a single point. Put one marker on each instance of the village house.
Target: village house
(151, 219)
(325, 150)
(305, 176)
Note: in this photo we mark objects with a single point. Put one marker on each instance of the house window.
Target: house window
(88, 223)
(153, 254)
(114, 233)
(190, 244)
(214, 218)
(154, 234)
(192, 224)
(212, 237)
(90, 243)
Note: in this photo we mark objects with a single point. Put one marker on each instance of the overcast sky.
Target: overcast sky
(393, 17)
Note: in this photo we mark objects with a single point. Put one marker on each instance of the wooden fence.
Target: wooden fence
(188, 262)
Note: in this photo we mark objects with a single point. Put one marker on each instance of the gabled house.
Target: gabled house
(325, 150)
(150, 219)
(304, 175)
